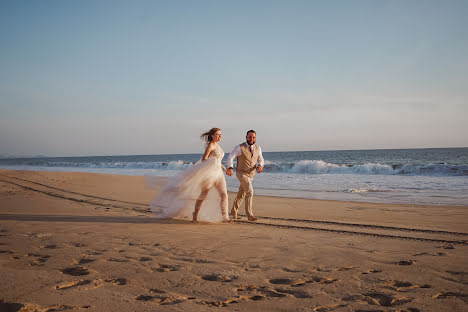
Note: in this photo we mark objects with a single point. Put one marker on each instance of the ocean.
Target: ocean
(437, 176)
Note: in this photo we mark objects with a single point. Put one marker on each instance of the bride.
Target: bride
(183, 196)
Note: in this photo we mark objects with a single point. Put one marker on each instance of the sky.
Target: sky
(148, 77)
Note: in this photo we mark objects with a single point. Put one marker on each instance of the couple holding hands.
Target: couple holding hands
(186, 193)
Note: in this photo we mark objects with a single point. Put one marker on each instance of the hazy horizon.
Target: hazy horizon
(148, 77)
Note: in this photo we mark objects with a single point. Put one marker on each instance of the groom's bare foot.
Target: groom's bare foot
(252, 218)
(235, 216)
(228, 221)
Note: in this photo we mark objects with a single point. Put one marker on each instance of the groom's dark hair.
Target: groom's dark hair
(251, 131)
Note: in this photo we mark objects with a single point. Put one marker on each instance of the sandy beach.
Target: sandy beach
(87, 242)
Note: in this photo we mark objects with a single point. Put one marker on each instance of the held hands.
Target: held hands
(230, 170)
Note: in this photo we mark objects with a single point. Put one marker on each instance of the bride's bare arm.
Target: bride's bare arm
(208, 150)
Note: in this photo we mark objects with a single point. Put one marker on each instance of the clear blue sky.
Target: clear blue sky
(148, 77)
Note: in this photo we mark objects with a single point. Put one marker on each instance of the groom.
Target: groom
(249, 159)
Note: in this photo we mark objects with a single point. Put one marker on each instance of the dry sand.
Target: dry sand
(86, 242)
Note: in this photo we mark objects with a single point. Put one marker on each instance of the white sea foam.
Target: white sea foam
(322, 167)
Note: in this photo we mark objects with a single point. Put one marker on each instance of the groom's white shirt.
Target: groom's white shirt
(237, 152)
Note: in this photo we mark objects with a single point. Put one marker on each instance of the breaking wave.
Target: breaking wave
(322, 167)
(302, 166)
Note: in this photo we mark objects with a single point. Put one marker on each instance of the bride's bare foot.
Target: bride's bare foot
(194, 218)
(252, 218)
(228, 221)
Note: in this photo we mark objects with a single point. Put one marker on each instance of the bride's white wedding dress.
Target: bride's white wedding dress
(204, 180)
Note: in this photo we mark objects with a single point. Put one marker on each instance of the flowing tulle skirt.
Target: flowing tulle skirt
(177, 199)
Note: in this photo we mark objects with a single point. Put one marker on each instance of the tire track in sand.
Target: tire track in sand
(437, 236)
(74, 196)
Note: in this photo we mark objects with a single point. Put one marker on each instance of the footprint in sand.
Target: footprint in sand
(134, 244)
(372, 272)
(322, 280)
(143, 298)
(117, 260)
(51, 246)
(346, 268)
(328, 308)
(451, 295)
(293, 270)
(10, 306)
(75, 271)
(77, 244)
(83, 261)
(117, 281)
(7, 306)
(247, 288)
(270, 293)
(237, 299)
(193, 260)
(380, 299)
(406, 262)
(143, 259)
(219, 277)
(262, 289)
(96, 283)
(157, 291)
(400, 285)
(296, 293)
(167, 268)
(38, 259)
(163, 299)
(325, 270)
(93, 253)
(298, 283)
(281, 281)
(438, 254)
(72, 284)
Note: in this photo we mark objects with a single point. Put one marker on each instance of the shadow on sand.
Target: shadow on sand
(97, 219)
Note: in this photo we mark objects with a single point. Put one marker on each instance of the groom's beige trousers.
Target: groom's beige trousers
(245, 191)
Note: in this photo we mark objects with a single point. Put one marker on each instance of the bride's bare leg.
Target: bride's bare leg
(222, 189)
(198, 204)
(197, 209)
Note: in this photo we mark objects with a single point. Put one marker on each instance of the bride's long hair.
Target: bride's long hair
(207, 135)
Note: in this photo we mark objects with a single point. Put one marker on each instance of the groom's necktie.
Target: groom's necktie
(251, 150)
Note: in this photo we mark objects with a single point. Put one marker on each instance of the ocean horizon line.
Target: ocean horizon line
(291, 151)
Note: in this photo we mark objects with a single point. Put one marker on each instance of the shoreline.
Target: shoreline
(75, 241)
(294, 196)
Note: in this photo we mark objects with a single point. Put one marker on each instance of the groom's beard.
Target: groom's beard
(251, 143)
